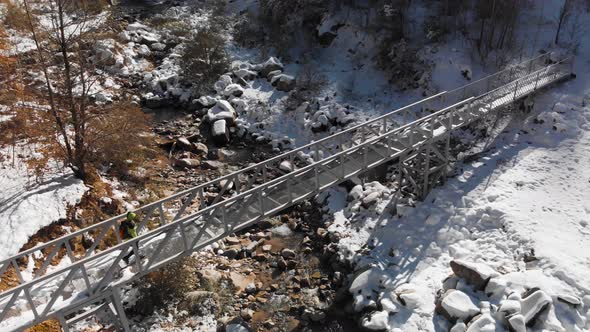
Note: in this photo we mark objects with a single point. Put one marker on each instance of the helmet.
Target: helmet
(131, 215)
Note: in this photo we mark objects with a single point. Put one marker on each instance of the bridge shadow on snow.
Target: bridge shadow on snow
(403, 243)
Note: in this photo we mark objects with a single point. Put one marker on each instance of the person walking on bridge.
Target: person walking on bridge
(128, 231)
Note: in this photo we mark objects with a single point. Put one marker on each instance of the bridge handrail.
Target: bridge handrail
(163, 228)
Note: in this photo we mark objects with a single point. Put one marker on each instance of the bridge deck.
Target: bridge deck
(251, 194)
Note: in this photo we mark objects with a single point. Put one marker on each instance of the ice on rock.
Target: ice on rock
(534, 304)
(458, 305)
(376, 321)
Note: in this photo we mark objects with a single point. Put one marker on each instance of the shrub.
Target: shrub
(204, 59)
(119, 137)
(14, 16)
(173, 281)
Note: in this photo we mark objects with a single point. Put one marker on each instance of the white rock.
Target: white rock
(458, 305)
(286, 166)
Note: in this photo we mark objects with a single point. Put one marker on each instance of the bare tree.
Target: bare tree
(562, 17)
(63, 44)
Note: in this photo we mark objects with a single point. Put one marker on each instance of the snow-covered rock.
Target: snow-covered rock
(220, 132)
(534, 304)
(158, 46)
(269, 65)
(273, 73)
(283, 82)
(205, 101)
(245, 74)
(376, 321)
(484, 322)
(233, 90)
(457, 305)
(222, 83)
(517, 323)
(222, 110)
(286, 166)
(477, 274)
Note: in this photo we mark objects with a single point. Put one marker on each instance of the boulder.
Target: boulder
(184, 143)
(457, 305)
(201, 149)
(477, 274)
(288, 253)
(283, 82)
(212, 164)
(533, 305)
(188, 163)
(269, 65)
(508, 307)
(220, 132)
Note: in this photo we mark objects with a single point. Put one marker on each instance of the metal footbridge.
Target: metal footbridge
(78, 275)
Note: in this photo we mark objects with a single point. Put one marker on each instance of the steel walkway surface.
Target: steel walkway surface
(70, 286)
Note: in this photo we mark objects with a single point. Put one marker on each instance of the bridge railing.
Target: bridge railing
(98, 267)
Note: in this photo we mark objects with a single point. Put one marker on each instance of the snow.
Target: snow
(26, 205)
